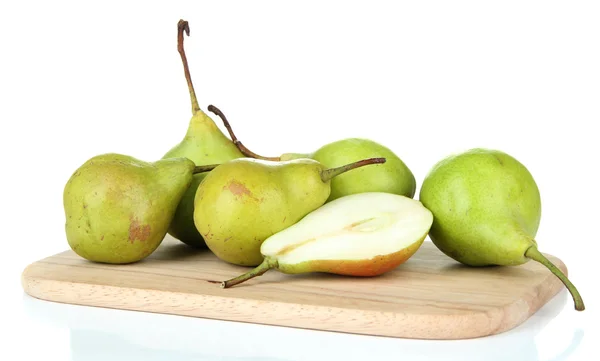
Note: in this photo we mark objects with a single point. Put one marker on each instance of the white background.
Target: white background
(424, 78)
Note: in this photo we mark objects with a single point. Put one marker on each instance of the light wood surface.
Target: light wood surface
(429, 297)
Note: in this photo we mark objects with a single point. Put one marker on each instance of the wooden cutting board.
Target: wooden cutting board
(429, 297)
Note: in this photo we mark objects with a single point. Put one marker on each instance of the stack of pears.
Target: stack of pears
(347, 208)
(119, 209)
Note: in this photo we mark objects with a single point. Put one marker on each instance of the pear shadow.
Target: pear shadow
(456, 268)
(177, 251)
(313, 279)
(459, 268)
(464, 266)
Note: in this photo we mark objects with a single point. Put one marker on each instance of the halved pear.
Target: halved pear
(364, 234)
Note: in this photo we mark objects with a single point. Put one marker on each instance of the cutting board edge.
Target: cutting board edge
(447, 327)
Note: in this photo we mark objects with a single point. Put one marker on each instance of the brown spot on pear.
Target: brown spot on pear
(239, 190)
(138, 231)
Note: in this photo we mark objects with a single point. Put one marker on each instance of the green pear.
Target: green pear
(487, 210)
(244, 201)
(118, 208)
(393, 177)
(204, 144)
(362, 235)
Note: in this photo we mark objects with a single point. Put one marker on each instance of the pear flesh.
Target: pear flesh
(365, 234)
(118, 208)
(487, 210)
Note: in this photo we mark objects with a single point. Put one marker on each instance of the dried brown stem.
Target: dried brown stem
(183, 26)
(242, 148)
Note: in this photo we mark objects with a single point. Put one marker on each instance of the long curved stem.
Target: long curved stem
(242, 148)
(534, 254)
(261, 269)
(204, 168)
(327, 174)
(183, 26)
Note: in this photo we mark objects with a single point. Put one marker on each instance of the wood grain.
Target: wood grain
(429, 297)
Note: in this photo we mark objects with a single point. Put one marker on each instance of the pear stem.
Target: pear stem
(327, 174)
(204, 168)
(534, 254)
(183, 26)
(266, 265)
(242, 148)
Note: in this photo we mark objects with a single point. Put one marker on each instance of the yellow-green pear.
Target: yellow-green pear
(364, 234)
(204, 144)
(392, 177)
(487, 210)
(244, 201)
(118, 208)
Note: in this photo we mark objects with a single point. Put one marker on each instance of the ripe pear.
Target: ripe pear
(364, 234)
(244, 201)
(204, 144)
(118, 208)
(393, 177)
(487, 210)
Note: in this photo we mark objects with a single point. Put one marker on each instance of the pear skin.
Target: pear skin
(487, 207)
(487, 210)
(204, 144)
(244, 201)
(369, 267)
(393, 177)
(118, 208)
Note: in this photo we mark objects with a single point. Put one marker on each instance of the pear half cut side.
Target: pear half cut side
(365, 234)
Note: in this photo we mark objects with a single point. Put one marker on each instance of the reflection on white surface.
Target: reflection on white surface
(103, 334)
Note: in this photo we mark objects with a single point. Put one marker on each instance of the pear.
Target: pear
(244, 201)
(204, 144)
(118, 208)
(393, 177)
(364, 234)
(487, 210)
